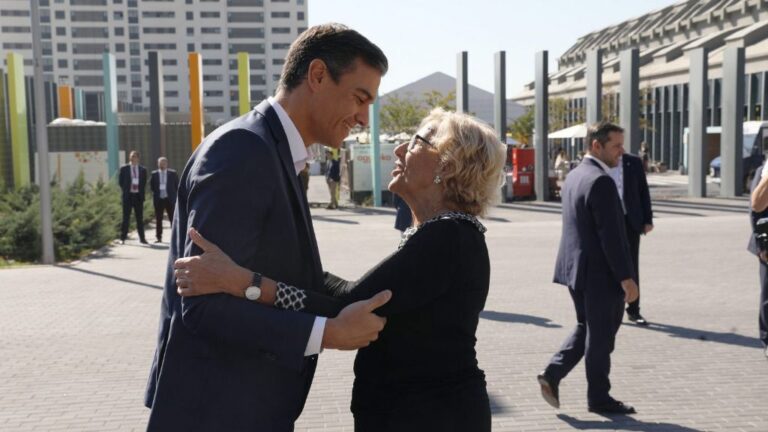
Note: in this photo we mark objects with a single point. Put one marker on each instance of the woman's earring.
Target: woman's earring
(438, 180)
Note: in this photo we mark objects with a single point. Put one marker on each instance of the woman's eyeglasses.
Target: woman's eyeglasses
(415, 140)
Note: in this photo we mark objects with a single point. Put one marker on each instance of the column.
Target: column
(594, 87)
(697, 121)
(110, 113)
(732, 115)
(244, 82)
(462, 85)
(541, 127)
(629, 88)
(17, 116)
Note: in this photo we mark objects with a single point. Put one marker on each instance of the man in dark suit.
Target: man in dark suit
(632, 185)
(133, 182)
(595, 264)
(759, 210)
(226, 363)
(164, 184)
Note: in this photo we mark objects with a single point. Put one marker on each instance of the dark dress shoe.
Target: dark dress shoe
(612, 407)
(122, 242)
(637, 319)
(142, 241)
(158, 241)
(549, 390)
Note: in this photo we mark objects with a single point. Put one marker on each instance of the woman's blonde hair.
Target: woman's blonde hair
(471, 160)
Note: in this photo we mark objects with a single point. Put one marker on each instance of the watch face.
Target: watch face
(253, 293)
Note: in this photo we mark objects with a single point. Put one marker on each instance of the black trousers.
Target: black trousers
(763, 318)
(135, 202)
(598, 315)
(634, 250)
(162, 205)
(461, 408)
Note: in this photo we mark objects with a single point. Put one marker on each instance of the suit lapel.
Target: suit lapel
(286, 159)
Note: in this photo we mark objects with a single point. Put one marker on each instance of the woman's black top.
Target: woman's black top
(439, 279)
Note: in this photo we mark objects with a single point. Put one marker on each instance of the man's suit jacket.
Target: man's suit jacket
(755, 216)
(222, 362)
(637, 197)
(593, 248)
(171, 184)
(125, 181)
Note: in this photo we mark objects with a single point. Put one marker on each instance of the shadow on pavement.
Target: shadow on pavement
(680, 213)
(334, 220)
(497, 407)
(704, 335)
(702, 206)
(108, 276)
(624, 423)
(518, 318)
(531, 208)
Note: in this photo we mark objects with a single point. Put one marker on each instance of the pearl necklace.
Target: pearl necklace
(451, 215)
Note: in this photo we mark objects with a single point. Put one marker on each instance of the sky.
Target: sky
(420, 37)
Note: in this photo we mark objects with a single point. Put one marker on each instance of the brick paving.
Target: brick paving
(76, 341)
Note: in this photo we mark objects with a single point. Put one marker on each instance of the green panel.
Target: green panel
(6, 165)
(18, 119)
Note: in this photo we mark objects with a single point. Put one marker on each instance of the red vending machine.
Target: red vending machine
(522, 173)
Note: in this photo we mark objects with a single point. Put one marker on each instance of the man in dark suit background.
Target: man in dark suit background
(759, 210)
(594, 263)
(133, 182)
(226, 363)
(164, 184)
(635, 196)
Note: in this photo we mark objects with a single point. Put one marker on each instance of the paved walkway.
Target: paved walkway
(76, 341)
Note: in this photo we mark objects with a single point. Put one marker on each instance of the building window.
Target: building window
(245, 3)
(191, 47)
(16, 29)
(278, 61)
(119, 31)
(245, 17)
(171, 93)
(300, 16)
(63, 63)
(246, 33)
(210, 30)
(281, 30)
(135, 48)
(212, 62)
(90, 32)
(216, 78)
(160, 30)
(214, 109)
(280, 46)
(190, 31)
(213, 93)
(158, 14)
(14, 13)
(61, 47)
(249, 48)
(190, 16)
(159, 46)
(60, 15)
(281, 14)
(61, 31)
(211, 46)
(208, 15)
(120, 63)
(88, 16)
(300, 30)
(117, 15)
(119, 47)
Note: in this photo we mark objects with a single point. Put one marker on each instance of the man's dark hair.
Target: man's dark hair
(600, 131)
(337, 46)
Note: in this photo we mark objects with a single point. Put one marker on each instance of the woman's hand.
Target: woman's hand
(210, 273)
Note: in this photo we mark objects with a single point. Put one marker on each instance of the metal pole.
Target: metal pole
(41, 134)
(462, 84)
(375, 153)
(629, 110)
(697, 121)
(541, 127)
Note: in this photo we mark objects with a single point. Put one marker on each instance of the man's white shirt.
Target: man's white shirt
(300, 157)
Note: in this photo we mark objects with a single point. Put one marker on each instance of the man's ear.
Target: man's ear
(317, 73)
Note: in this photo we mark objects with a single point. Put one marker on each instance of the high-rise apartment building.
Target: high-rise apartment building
(75, 34)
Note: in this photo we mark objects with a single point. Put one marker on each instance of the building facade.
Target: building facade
(76, 33)
(664, 39)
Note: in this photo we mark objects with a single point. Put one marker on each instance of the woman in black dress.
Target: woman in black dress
(422, 373)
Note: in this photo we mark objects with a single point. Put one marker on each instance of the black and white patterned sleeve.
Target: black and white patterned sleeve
(289, 297)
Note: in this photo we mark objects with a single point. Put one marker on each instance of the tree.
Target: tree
(435, 99)
(522, 127)
(401, 114)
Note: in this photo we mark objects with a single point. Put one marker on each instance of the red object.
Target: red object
(522, 172)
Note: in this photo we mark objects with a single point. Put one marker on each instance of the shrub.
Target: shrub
(85, 217)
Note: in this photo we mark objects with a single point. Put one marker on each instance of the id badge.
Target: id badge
(162, 187)
(135, 181)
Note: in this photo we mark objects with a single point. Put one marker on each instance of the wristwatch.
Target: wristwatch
(253, 292)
